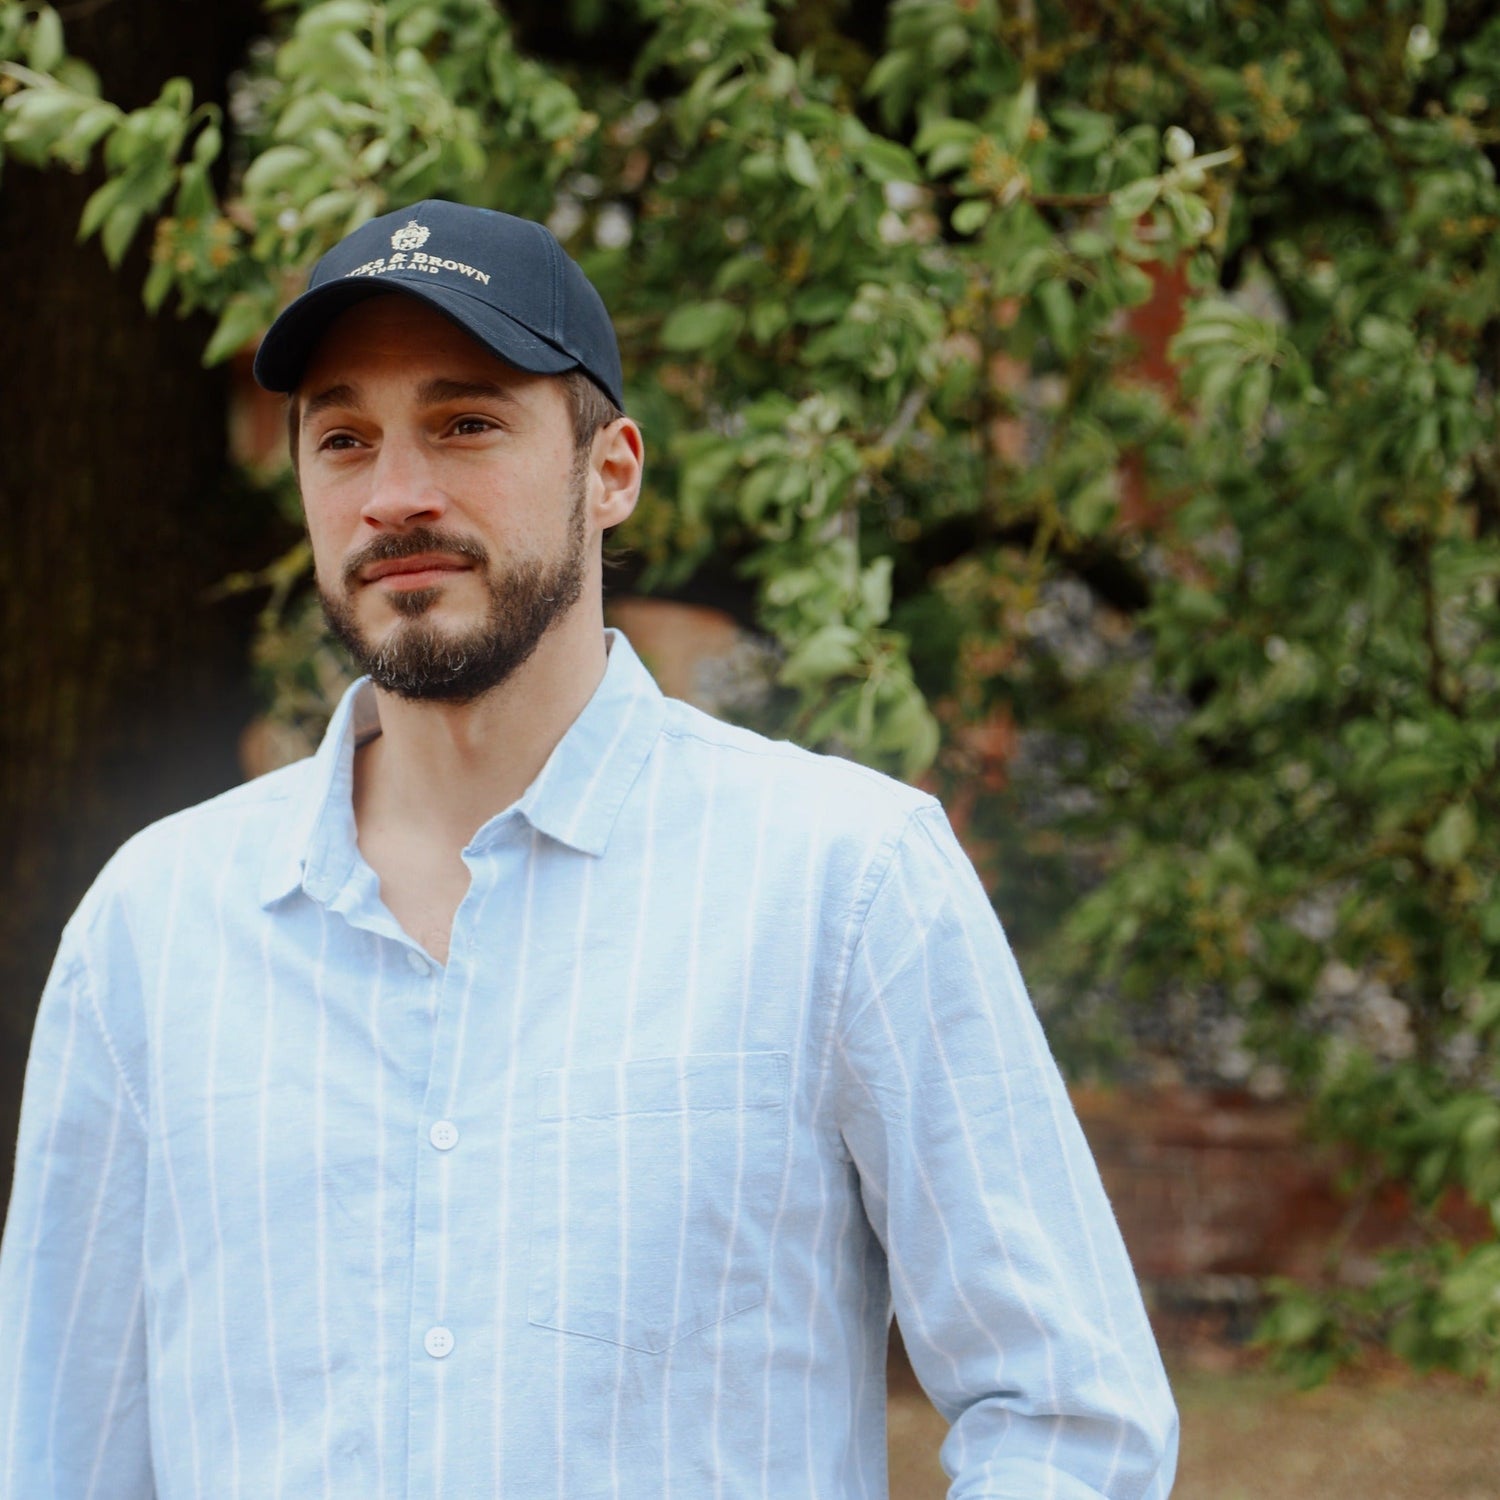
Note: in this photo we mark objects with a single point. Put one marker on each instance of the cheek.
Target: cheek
(330, 532)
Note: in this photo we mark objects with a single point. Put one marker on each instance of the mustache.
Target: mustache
(391, 547)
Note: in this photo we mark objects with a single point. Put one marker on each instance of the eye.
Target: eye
(472, 426)
(336, 441)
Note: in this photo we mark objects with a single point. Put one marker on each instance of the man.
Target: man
(544, 1090)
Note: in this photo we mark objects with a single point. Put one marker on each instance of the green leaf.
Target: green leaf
(92, 124)
(833, 651)
(99, 204)
(798, 158)
(335, 16)
(1059, 313)
(352, 52)
(887, 161)
(700, 325)
(1132, 200)
(329, 207)
(1092, 507)
(36, 118)
(1089, 244)
(119, 229)
(242, 319)
(45, 49)
(158, 284)
(1085, 132)
(176, 97)
(768, 318)
(821, 304)
(971, 215)
(702, 476)
(942, 130)
(208, 145)
(1252, 397)
(276, 168)
(890, 74)
(1451, 837)
(195, 194)
(1017, 114)
(908, 729)
(949, 156)
(875, 590)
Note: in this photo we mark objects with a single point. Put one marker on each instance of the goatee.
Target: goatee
(418, 659)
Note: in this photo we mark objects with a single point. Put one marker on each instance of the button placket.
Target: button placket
(442, 995)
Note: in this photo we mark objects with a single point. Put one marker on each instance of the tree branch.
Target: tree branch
(1438, 675)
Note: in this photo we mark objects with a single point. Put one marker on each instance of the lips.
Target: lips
(422, 567)
(420, 558)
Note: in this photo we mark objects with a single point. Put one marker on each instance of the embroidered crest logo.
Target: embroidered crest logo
(412, 237)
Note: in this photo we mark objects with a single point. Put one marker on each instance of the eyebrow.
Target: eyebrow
(437, 392)
(334, 395)
(440, 391)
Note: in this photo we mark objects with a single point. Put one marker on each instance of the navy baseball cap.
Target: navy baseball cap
(505, 281)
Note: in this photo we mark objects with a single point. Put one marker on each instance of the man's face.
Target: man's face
(445, 502)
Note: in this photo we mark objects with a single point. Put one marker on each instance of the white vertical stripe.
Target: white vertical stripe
(753, 915)
(85, 1266)
(978, 1188)
(840, 1254)
(622, 1154)
(930, 1193)
(813, 873)
(1067, 1285)
(874, 1192)
(508, 1167)
(445, 1192)
(564, 1270)
(190, 1393)
(692, 960)
(815, 1297)
(268, 1292)
(211, 1146)
(133, 1327)
(1091, 1239)
(65, 1068)
(1082, 1318)
(605, 761)
(382, 1377)
(320, 1157)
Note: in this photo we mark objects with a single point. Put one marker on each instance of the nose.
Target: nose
(404, 487)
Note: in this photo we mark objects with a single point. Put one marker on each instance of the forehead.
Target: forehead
(394, 335)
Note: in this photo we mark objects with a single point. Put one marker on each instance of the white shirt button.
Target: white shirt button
(418, 964)
(443, 1135)
(438, 1342)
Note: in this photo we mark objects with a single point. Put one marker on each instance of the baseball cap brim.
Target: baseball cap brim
(284, 352)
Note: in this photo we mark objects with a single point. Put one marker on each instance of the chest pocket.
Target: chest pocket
(655, 1188)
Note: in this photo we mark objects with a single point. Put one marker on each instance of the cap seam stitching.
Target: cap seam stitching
(554, 256)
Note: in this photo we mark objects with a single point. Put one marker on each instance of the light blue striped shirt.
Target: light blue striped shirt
(728, 1058)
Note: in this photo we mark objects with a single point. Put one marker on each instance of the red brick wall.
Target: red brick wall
(1222, 1184)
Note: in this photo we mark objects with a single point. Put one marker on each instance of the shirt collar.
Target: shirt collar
(575, 798)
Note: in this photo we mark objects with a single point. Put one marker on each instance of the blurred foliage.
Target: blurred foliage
(1209, 659)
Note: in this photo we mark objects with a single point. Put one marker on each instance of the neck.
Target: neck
(441, 771)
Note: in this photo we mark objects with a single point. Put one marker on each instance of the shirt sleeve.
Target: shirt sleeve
(1014, 1294)
(73, 1396)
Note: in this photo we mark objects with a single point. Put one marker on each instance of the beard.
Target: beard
(419, 660)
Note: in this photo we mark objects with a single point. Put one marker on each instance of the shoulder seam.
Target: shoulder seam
(86, 984)
(918, 819)
(787, 750)
(876, 874)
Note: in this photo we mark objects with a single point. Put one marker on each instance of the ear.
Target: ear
(615, 468)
